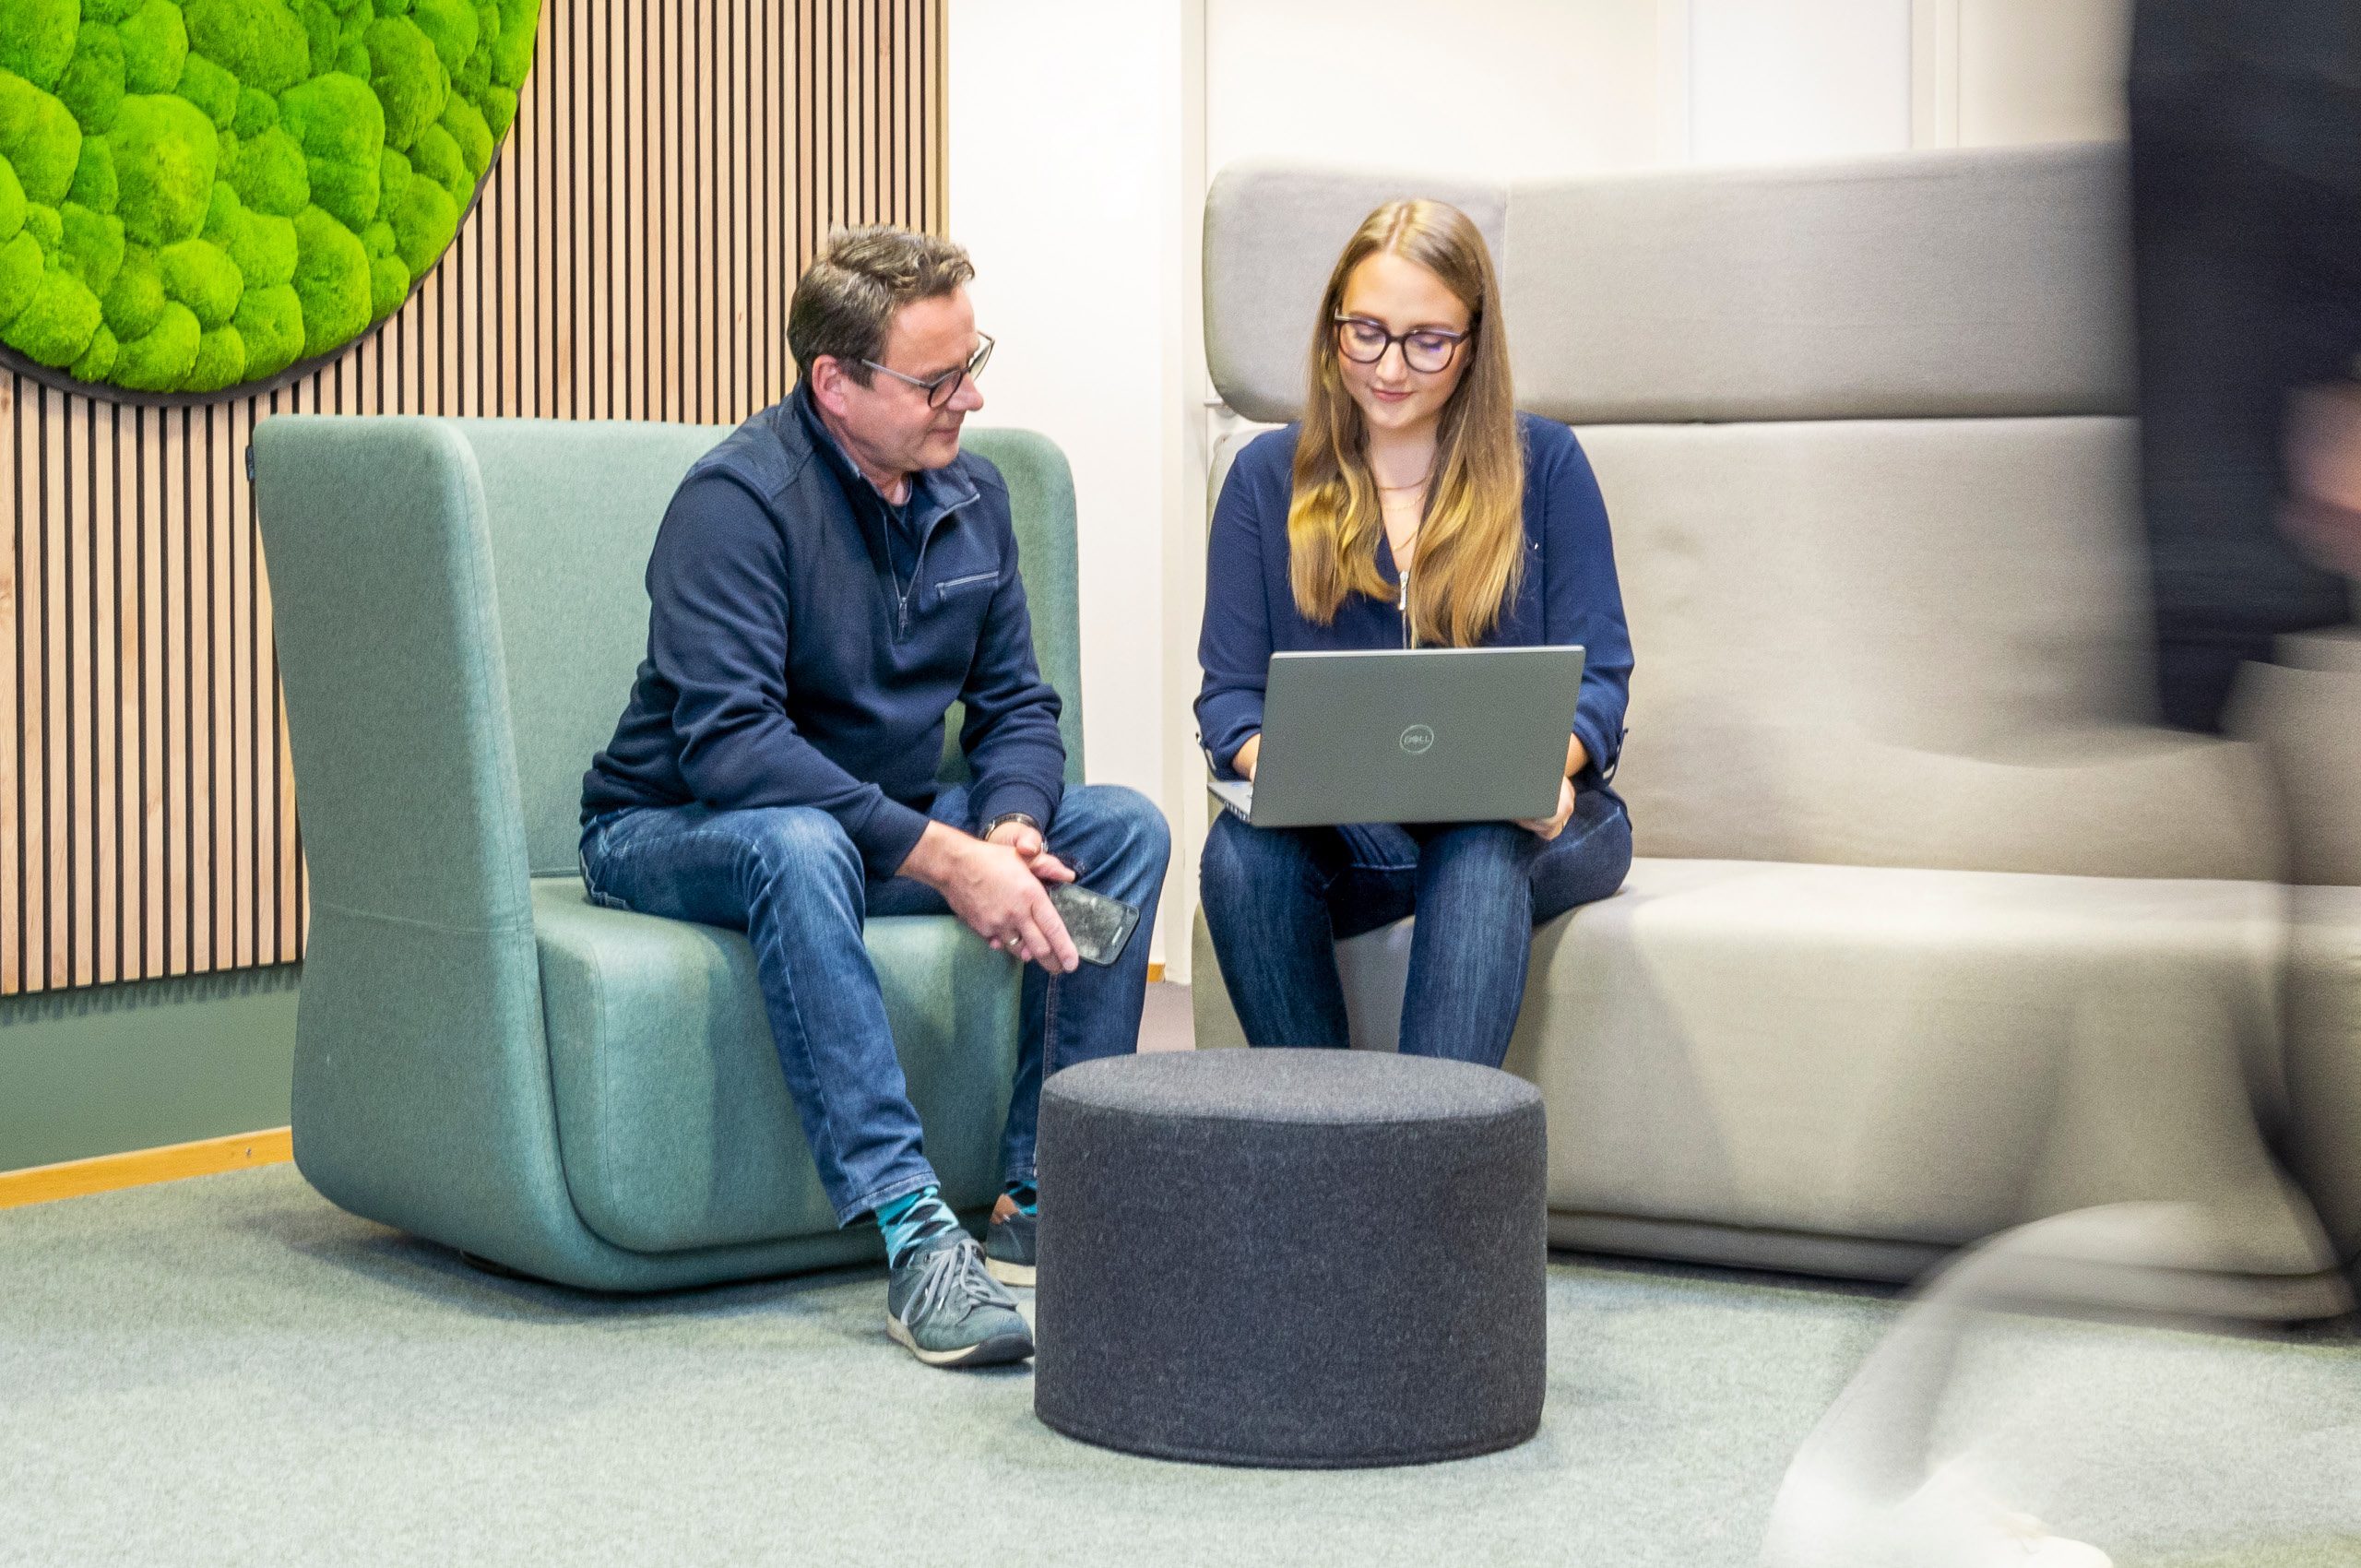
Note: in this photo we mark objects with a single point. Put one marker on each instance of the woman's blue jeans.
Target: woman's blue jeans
(790, 878)
(1277, 899)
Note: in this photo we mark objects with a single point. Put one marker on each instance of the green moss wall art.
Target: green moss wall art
(202, 195)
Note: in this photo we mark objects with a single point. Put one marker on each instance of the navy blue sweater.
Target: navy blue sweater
(790, 663)
(1569, 594)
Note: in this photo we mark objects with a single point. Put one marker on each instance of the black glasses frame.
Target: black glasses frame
(943, 388)
(1455, 339)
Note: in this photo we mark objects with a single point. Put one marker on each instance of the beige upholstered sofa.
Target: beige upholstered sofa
(1932, 932)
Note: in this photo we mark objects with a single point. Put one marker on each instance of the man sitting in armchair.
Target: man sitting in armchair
(825, 583)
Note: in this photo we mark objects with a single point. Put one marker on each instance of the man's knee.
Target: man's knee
(1130, 829)
(798, 846)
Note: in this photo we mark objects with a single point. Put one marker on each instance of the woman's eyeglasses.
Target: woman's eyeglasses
(1425, 348)
(943, 388)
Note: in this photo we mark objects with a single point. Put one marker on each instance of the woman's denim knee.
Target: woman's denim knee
(1221, 867)
(1587, 863)
(1478, 843)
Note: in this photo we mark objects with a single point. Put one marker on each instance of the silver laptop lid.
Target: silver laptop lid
(1445, 734)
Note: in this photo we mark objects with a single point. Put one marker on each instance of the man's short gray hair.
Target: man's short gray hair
(844, 303)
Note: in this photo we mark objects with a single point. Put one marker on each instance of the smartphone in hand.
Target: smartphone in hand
(1100, 926)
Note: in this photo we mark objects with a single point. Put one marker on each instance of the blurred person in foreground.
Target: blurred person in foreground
(2246, 173)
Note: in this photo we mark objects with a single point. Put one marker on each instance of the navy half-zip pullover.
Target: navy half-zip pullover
(796, 658)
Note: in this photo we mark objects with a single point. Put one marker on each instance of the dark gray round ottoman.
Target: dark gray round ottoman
(1299, 1258)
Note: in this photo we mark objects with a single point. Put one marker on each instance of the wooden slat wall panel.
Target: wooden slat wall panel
(673, 166)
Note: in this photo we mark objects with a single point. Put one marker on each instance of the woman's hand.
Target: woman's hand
(1548, 828)
(1577, 758)
(1248, 755)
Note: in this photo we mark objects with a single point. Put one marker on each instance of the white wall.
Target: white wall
(1516, 88)
(1077, 184)
(1781, 81)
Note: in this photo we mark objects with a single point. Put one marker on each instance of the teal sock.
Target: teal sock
(911, 1219)
(1024, 1195)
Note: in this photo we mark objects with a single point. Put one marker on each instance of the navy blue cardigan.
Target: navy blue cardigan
(790, 664)
(1569, 594)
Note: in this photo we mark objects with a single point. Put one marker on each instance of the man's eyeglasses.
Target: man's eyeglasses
(1425, 350)
(943, 388)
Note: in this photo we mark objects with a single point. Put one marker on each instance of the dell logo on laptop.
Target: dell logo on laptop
(1418, 738)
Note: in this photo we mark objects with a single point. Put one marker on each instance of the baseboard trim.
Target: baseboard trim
(140, 1168)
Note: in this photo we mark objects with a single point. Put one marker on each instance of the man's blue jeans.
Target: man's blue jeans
(1277, 899)
(790, 880)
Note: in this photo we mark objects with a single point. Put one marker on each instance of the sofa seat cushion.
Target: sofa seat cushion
(2324, 1056)
(674, 1121)
(1921, 1057)
(1912, 1055)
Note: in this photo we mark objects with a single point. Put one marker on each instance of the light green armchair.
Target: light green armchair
(484, 1057)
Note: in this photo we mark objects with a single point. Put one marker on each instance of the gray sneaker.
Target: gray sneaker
(1008, 1248)
(941, 1304)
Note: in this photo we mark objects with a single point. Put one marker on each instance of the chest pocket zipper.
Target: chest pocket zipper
(944, 590)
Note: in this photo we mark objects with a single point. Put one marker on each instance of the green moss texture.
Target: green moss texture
(197, 194)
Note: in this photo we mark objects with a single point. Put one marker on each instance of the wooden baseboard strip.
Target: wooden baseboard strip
(1155, 973)
(206, 1157)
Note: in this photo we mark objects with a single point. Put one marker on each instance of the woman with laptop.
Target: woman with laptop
(1412, 507)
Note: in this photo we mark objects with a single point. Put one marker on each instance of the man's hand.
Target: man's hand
(1248, 755)
(996, 893)
(1550, 827)
(1033, 849)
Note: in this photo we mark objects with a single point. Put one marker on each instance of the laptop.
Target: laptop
(1429, 734)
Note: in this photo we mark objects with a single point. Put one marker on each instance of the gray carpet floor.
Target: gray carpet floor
(230, 1370)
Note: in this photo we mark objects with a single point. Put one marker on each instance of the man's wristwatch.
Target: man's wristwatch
(1005, 818)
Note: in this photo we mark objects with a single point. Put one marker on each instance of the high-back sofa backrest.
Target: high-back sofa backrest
(1864, 435)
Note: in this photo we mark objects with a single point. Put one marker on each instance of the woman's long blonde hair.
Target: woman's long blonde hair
(1471, 545)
